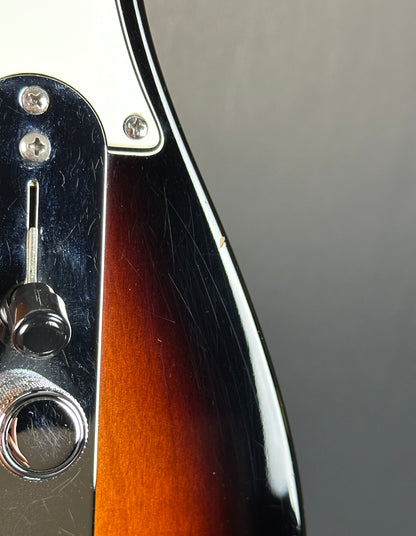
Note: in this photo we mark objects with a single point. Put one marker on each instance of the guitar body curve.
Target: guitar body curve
(192, 356)
(188, 434)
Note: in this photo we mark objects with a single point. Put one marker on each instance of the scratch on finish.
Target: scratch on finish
(58, 490)
(71, 516)
(45, 505)
(67, 363)
(99, 163)
(94, 260)
(61, 488)
(136, 270)
(207, 294)
(54, 493)
(63, 531)
(211, 276)
(95, 264)
(91, 226)
(162, 361)
(10, 253)
(63, 178)
(94, 171)
(76, 163)
(68, 235)
(182, 298)
(163, 318)
(23, 520)
(12, 203)
(169, 225)
(88, 319)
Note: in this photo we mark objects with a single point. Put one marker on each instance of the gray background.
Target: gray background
(301, 116)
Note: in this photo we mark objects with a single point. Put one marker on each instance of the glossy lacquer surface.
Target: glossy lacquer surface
(192, 437)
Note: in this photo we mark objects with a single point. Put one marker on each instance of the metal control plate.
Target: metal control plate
(71, 213)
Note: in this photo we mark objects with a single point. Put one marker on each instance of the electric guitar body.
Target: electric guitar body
(136, 396)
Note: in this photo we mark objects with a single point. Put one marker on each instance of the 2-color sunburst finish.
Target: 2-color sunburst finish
(183, 432)
(185, 399)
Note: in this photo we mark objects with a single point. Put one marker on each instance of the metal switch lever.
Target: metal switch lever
(36, 316)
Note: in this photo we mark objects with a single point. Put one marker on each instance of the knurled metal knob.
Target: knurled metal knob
(43, 429)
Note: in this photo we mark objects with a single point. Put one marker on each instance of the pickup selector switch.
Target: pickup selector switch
(35, 314)
(43, 429)
(38, 322)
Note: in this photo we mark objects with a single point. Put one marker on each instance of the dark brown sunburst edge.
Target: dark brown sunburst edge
(181, 443)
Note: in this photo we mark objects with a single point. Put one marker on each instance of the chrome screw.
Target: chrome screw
(135, 127)
(35, 147)
(34, 100)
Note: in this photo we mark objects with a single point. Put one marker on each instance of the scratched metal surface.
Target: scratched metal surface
(70, 218)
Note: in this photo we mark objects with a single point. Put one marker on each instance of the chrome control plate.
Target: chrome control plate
(71, 221)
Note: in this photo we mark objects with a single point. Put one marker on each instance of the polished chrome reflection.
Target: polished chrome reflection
(71, 221)
(36, 316)
(37, 319)
(43, 429)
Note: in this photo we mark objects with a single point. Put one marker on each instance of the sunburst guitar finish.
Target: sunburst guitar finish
(136, 396)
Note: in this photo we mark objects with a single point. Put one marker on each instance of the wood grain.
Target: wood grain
(158, 472)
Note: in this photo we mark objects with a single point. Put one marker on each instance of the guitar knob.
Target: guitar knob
(34, 314)
(37, 320)
(43, 429)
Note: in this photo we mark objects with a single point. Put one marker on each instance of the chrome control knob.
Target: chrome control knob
(37, 320)
(43, 429)
(35, 315)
